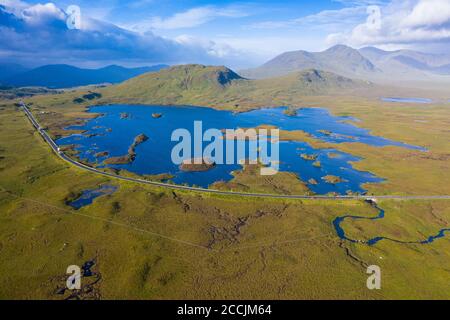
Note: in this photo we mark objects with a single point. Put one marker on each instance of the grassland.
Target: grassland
(249, 179)
(153, 243)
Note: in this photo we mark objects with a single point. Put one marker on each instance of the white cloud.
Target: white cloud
(362, 2)
(324, 19)
(213, 48)
(191, 18)
(342, 16)
(403, 22)
(429, 13)
(41, 13)
(38, 34)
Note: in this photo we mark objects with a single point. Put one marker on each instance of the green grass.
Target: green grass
(152, 243)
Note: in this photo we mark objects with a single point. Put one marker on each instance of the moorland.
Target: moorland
(149, 242)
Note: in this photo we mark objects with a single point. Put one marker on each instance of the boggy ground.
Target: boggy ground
(152, 243)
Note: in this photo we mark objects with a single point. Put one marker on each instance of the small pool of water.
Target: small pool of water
(113, 132)
(88, 196)
(407, 100)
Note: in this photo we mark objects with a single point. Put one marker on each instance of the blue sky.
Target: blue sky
(236, 33)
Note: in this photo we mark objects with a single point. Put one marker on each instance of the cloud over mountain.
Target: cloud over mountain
(38, 34)
(403, 22)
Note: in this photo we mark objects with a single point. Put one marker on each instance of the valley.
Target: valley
(146, 228)
(205, 246)
(224, 159)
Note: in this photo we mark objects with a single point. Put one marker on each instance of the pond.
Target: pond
(88, 196)
(407, 100)
(111, 135)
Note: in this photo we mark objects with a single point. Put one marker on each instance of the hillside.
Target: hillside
(220, 86)
(66, 76)
(8, 70)
(338, 59)
(178, 84)
(408, 61)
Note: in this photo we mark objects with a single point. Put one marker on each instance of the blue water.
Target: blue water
(408, 100)
(114, 134)
(88, 196)
(341, 232)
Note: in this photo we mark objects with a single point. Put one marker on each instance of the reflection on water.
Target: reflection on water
(111, 135)
(408, 100)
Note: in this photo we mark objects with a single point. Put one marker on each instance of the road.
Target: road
(63, 156)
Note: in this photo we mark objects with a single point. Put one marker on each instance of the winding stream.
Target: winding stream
(341, 232)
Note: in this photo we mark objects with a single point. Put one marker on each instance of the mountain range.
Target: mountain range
(367, 63)
(65, 76)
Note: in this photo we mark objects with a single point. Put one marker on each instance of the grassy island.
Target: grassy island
(309, 157)
(290, 111)
(332, 179)
(197, 165)
(326, 132)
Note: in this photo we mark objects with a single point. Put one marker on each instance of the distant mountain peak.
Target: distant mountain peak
(339, 48)
(339, 59)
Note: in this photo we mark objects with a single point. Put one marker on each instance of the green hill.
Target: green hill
(220, 86)
(175, 84)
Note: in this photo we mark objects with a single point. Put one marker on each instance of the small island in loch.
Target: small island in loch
(326, 132)
(291, 111)
(156, 115)
(332, 179)
(197, 165)
(308, 157)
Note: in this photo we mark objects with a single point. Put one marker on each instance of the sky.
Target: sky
(238, 34)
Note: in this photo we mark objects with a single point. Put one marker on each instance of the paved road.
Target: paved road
(63, 156)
